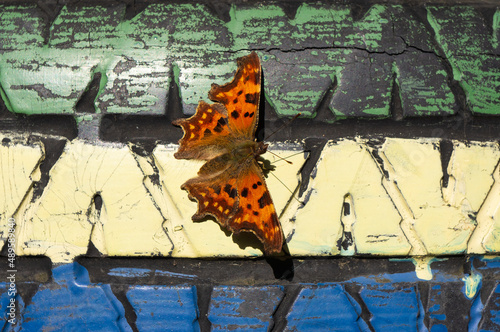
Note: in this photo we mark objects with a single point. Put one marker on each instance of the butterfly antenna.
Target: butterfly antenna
(283, 126)
(291, 192)
(280, 158)
(284, 159)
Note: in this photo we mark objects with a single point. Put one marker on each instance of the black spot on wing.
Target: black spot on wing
(220, 125)
(255, 213)
(230, 191)
(264, 200)
(252, 98)
(218, 128)
(244, 192)
(254, 186)
(207, 132)
(216, 190)
(235, 115)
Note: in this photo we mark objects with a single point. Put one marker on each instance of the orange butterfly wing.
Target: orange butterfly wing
(236, 195)
(241, 96)
(205, 133)
(230, 186)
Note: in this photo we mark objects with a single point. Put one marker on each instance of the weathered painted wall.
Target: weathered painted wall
(396, 157)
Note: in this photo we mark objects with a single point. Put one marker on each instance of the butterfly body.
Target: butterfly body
(230, 186)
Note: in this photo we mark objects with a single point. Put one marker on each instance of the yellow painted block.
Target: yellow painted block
(347, 173)
(62, 221)
(351, 206)
(19, 167)
(415, 167)
(473, 187)
(206, 239)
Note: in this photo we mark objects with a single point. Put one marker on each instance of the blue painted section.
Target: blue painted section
(325, 308)
(129, 272)
(394, 306)
(490, 262)
(141, 273)
(243, 308)
(392, 302)
(165, 308)
(72, 303)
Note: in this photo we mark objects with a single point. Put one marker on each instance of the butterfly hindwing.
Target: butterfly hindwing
(255, 210)
(216, 196)
(239, 200)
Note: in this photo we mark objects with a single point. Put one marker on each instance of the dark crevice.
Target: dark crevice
(376, 145)
(174, 109)
(283, 266)
(487, 15)
(314, 146)
(86, 103)
(446, 149)
(27, 291)
(53, 150)
(323, 113)
(347, 239)
(120, 292)
(284, 307)
(203, 295)
(97, 200)
(219, 9)
(396, 107)
(145, 149)
(424, 293)
(50, 11)
(354, 290)
(92, 250)
(269, 121)
(134, 8)
(359, 10)
(290, 8)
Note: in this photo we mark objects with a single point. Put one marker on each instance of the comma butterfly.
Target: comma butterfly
(230, 186)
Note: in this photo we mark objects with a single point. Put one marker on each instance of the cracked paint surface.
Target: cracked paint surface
(63, 220)
(19, 168)
(384, 199)
(321, 48)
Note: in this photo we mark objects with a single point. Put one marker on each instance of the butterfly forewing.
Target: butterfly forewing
(241, 96)
(204, 133)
